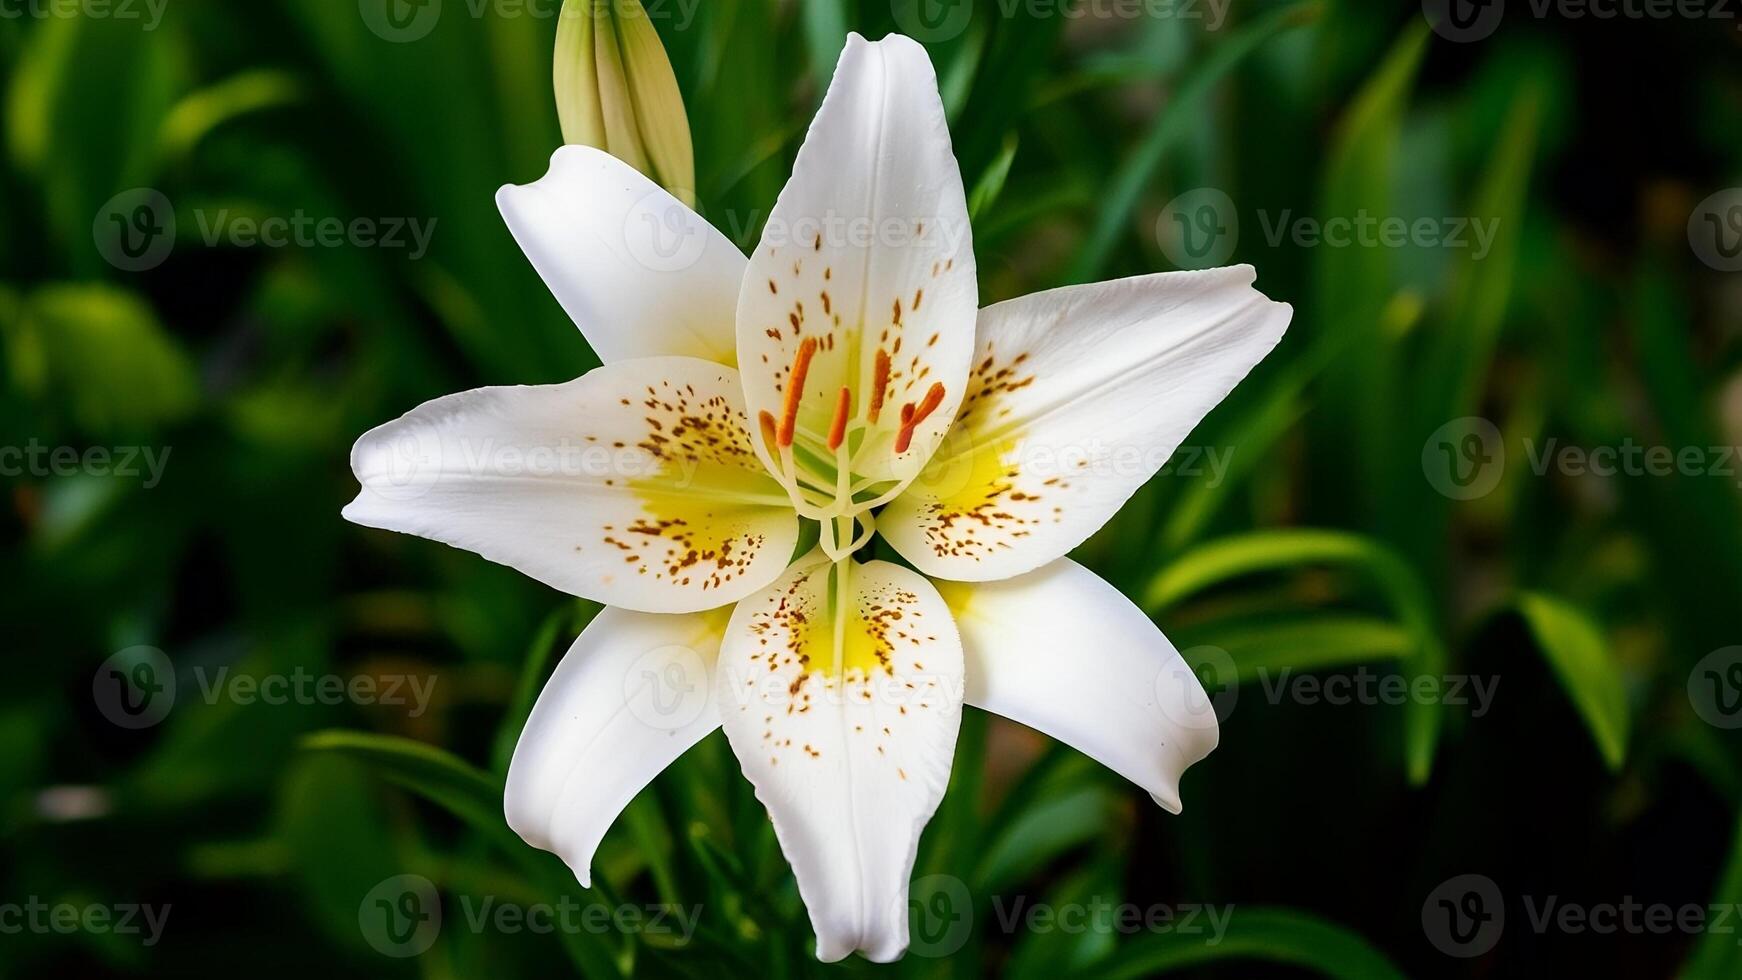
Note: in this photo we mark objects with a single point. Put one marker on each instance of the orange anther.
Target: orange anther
(904, 438)
(933, 399)
(911, 417)
(838, 428)
(879, 384)
(801, 366)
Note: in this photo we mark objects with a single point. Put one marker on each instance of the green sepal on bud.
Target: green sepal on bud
(615, 90)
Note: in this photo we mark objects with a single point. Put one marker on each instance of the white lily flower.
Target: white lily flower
(841, 374)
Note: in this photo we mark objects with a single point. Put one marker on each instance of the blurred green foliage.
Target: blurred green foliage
(1323, 547)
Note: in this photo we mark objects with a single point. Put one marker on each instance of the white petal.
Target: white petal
(849, 752)
(632, 694)
(1078, 396)
(634, 486)
(1062, 652)
(638, 271)
(868, 249)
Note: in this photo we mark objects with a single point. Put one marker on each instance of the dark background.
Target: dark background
(1604, 770)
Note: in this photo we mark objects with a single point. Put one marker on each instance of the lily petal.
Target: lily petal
(631, 695)
(868, 254)
(845, 720)
(638, 271)
(634, 486)
(1066, 654)
(1078, 396)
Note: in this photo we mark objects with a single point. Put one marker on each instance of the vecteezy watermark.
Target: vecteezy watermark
(137, 687)
(1200, 688)
(1466, 916)
(668, 687)
(1465, 458)
(1368, 687)
(1200, 228)
(121, 462)
(137, 230)
(1715, 688)
(149, 13)
(961, 460)
(1366, 230)
(935, 21)
(33, 915)
(1463, 20)
(402, 917)
(418, 457)
(1715, 230)
(1474, 20)
(405, 21)
(940, 913)
(303, 230)
(664, 236)
(1631, 459)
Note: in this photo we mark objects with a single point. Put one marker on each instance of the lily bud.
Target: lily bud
(615, 90)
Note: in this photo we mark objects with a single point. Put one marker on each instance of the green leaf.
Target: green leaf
(1717, 954)
(1274, 935)
(1314, 642)
(825, 34)
(339, 844)
(85, 108)
(1575, 647)
(438, 776)
(991, 183)
(1263, 551)
(100, 354)
(1046, 830)
(198, 114)
(1184, 108)
(1352, 286)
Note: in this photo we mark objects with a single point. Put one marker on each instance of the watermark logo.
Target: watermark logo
(1715, 688)
(1464, 20)
(1198, 229)
(940, 915)
(41, 918)
(401, 917)
(1199, 688)
(1715, 230)
(36, 459)
(409, 465)
(135, 688)
(667, 687)
(661, 235)
(1464, 916)
(149, 13)
(1464, 458)
(401, 21)
(932, 21)
(135, 230)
